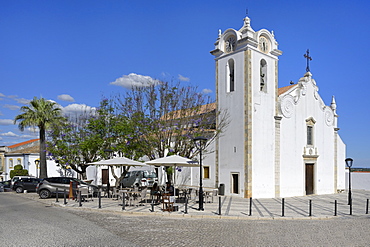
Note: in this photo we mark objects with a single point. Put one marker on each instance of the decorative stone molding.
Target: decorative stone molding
(287, 106)
(329, 116)
(310, 153)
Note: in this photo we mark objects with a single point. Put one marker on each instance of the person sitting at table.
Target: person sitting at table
(155, 191)
(169, 188)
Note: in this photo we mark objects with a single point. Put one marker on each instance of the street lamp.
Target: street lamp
(37, 162)
(200, 142)
(349, 163)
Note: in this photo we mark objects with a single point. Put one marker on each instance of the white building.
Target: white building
(25, 154)
(281, 141)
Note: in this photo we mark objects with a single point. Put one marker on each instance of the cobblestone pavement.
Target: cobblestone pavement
(303, 207)
(175, 231)
(266, 226)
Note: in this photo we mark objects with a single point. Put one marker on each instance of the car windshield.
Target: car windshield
(148, 174)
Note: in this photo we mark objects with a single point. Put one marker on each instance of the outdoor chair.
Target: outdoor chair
(167, 201)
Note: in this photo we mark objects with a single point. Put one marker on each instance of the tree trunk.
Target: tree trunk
(43, 166)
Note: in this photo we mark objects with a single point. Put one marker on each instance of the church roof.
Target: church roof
(285, 89)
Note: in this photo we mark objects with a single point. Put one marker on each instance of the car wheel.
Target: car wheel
(44, 194)
(19, 190)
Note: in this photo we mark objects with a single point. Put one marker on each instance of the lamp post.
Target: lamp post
(349, 163)
(37, 162)
(200, 141)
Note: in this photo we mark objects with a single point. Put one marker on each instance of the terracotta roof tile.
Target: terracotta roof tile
(284, 89)
(23, 143)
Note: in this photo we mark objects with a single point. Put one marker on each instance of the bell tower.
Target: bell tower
(246, 87)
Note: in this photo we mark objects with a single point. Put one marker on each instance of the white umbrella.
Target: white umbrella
(120, 161)
(173, 160)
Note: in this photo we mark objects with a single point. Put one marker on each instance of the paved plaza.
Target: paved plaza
(302, 207)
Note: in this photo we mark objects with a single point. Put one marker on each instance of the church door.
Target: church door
(235, 183)
(309, 179)
(105, 176)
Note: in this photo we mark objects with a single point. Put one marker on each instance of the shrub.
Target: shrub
(18, 171)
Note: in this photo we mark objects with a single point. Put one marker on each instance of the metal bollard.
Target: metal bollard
(219, 205)
(186, 205)
(99, 197)
(123, 201)
(56, 198)
(283, 207)
(350, 207)
(310, 208)
(79, 199)
(65, 197)
(152, 205)
(367, 206)
(250, 206)
(335, 208)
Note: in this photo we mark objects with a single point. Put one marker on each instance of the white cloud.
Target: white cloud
(2, 95)
(29, 136)
(207, 91)
(23, 101)
(128, 81)
(66, 97)
(9, 134)
(6, 122)
(77, 109)
(12, 107)
(183, 78)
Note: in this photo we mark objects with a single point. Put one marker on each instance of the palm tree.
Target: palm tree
(40, 113)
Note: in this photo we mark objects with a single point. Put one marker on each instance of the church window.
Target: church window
(10, 163)
(310, 122)
(263, 76)
(19, 162)
(309, 135)
(230, 76)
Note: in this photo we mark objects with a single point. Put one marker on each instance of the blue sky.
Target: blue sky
(72, 51)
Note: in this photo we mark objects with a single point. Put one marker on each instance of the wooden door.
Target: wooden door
(235, 183)
(310, 179)
(104, 176)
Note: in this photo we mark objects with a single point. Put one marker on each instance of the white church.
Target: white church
(280, 142)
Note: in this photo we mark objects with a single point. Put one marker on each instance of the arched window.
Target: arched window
(263, 76)
(10, 163)
(230, 71)
(19, 161)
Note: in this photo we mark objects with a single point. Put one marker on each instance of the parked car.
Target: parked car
(5, 186)
(23, 184)
(140, 178)
(16, 178)
(48, 186)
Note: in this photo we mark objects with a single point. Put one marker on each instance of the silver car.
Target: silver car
(49, 186)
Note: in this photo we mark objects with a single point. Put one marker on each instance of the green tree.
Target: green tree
(39, 113)
(169, 115)
(88, 137)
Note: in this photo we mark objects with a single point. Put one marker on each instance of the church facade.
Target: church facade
(280, 142)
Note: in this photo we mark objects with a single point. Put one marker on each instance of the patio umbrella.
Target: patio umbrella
(120, 161)
(173, 160)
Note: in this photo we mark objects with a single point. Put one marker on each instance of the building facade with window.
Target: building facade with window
(280, 141)
(25, 154)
